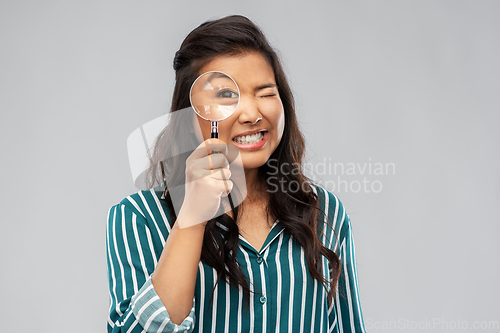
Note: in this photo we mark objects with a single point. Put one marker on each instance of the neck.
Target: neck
(255, 189)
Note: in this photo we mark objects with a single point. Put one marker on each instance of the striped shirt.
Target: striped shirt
(286, 298)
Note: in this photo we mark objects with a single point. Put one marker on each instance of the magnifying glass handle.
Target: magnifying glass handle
(214, 133)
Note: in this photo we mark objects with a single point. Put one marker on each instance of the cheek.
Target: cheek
(276, 114)
(281, 124)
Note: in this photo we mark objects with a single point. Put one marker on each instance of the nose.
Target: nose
(248, 111)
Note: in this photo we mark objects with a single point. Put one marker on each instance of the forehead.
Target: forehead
(248, 69)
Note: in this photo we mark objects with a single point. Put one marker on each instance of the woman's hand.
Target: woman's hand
(207, 179)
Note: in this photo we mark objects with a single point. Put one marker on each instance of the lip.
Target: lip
(252, 146)
(250, 132)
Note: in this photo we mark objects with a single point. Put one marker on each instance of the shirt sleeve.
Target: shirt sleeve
(134, 303)
(345, 315)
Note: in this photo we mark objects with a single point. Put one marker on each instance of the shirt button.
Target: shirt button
(262, 299)
(259, 260)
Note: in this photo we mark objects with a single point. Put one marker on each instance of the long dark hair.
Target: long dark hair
(297, 210)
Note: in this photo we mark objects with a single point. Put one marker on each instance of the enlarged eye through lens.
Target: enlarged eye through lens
(227, 94)
(214, 96)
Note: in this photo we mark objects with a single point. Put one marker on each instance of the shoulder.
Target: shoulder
(329, 204)
(332, 213)
(145, 204)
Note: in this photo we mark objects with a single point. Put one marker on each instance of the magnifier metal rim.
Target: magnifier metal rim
(191, 102)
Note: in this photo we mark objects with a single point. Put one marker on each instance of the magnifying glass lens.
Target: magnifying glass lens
(214, 96)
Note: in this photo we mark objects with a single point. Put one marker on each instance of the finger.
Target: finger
(208, 147)
(213, 162)
(221, 174)
(222, 186)
(228, 188)
(217, 174)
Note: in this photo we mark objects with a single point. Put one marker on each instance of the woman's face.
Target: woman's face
(257, 125)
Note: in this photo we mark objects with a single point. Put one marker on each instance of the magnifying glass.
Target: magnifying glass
(214, 96)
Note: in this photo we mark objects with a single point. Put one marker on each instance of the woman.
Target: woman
(281, 261)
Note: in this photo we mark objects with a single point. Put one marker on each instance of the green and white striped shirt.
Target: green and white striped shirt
(286, 298)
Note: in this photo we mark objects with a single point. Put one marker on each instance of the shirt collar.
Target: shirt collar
(275, 231)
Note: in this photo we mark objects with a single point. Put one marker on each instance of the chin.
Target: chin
(253, 162)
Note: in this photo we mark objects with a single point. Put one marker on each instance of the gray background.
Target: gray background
(413, 83)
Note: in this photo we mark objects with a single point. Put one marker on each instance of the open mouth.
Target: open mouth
(248, 139)
(251, 141)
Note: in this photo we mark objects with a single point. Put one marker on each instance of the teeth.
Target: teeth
(245, 139)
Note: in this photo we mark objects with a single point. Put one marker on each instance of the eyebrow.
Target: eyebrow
(264, 86)
(217, 75)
